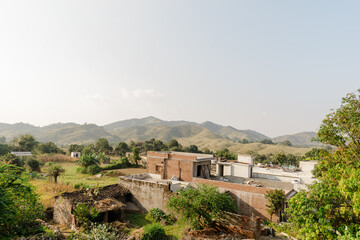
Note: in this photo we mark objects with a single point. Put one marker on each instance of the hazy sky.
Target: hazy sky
(276, 67)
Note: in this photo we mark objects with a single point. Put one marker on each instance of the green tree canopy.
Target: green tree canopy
(102, 145)
(202, 206)
(331, 207)
(24, 143)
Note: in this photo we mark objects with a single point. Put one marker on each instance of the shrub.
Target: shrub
(33, 165)
(102, 232)
(203, 206)
(55, 158)
(153, 232)
(19, 204)
(159, 216)
(85, 215)
(93, 169)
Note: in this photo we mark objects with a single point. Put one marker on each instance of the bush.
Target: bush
(203, 206)
(101, 232)
(33, 165)
(93, 169)
(19, 204)
(153, 232)
(85, 215)
(159, 216)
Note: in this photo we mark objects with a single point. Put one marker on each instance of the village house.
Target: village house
(179, 165)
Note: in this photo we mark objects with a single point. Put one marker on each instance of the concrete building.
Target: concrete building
(179, 165)
(75, 154)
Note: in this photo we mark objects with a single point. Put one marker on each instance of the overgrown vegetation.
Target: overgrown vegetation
(330, 208)
(201, 207)
(156, 215)
(276, 200)
(153, 232)
(19, 204)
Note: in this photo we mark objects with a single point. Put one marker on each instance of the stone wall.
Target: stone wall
(147, 194)
(62, 211)
(249, 199)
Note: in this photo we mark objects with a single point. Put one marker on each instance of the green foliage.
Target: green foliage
(154, 145)
(4, 149)
(102, 145)
(201, 207)
(24, 143)
(330, 208)
(159, 216)
(226, 154)
(33, 165)
(55, 171)
(19, 204)
(13, 160)
(88, 160)
(93, 169)
(124, 163)
(85, 215)
(276, 200)
(101, 232)
(81, 186)
(103, 158)
(49, 147)
(121, 149)
(75, 148)
(285, 143)
(266, 141)
(136, 155)
(193, 149)
(153, 232)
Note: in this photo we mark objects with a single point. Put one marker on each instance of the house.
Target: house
(75, 154)
(179, 165)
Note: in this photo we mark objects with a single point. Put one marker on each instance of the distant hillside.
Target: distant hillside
(205, 135)
(60, 133)
(299, 139)
(233, 133)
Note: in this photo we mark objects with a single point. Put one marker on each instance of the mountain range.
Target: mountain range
(143, 129)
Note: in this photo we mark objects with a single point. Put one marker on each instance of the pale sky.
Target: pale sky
(276, 67)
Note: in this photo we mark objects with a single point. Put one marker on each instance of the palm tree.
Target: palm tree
(56, 171)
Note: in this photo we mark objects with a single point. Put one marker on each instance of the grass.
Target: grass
(175, 231)
(48, 190)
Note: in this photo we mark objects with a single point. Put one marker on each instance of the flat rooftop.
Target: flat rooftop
(198, 156)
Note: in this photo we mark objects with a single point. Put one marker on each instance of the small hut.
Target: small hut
(108, 200)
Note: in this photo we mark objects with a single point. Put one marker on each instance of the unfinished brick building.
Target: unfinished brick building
(182, 166)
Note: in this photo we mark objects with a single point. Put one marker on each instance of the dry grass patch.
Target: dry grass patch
(48, 191)
(56, 158)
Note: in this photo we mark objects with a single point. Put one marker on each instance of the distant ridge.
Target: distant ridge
(141, 129)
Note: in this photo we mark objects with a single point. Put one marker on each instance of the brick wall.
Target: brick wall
(249, 199)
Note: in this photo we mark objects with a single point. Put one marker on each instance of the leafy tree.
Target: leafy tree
(75, 148)
(102, 145)
(88, 160)
(24, 143)
(267, 141)
(2, 139)
(192, 149)
(226, 154)
(276, 200)
(55, 171)
(173, 144)
(33, 165)
(121, 149)
(154, 145)
(4, 149)
(19, 204)
(332, 205)
(201, 207)
(136, 155)
(48, 147)
(13, 159)
(244, 141)
(280, 158)
(285, 143)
